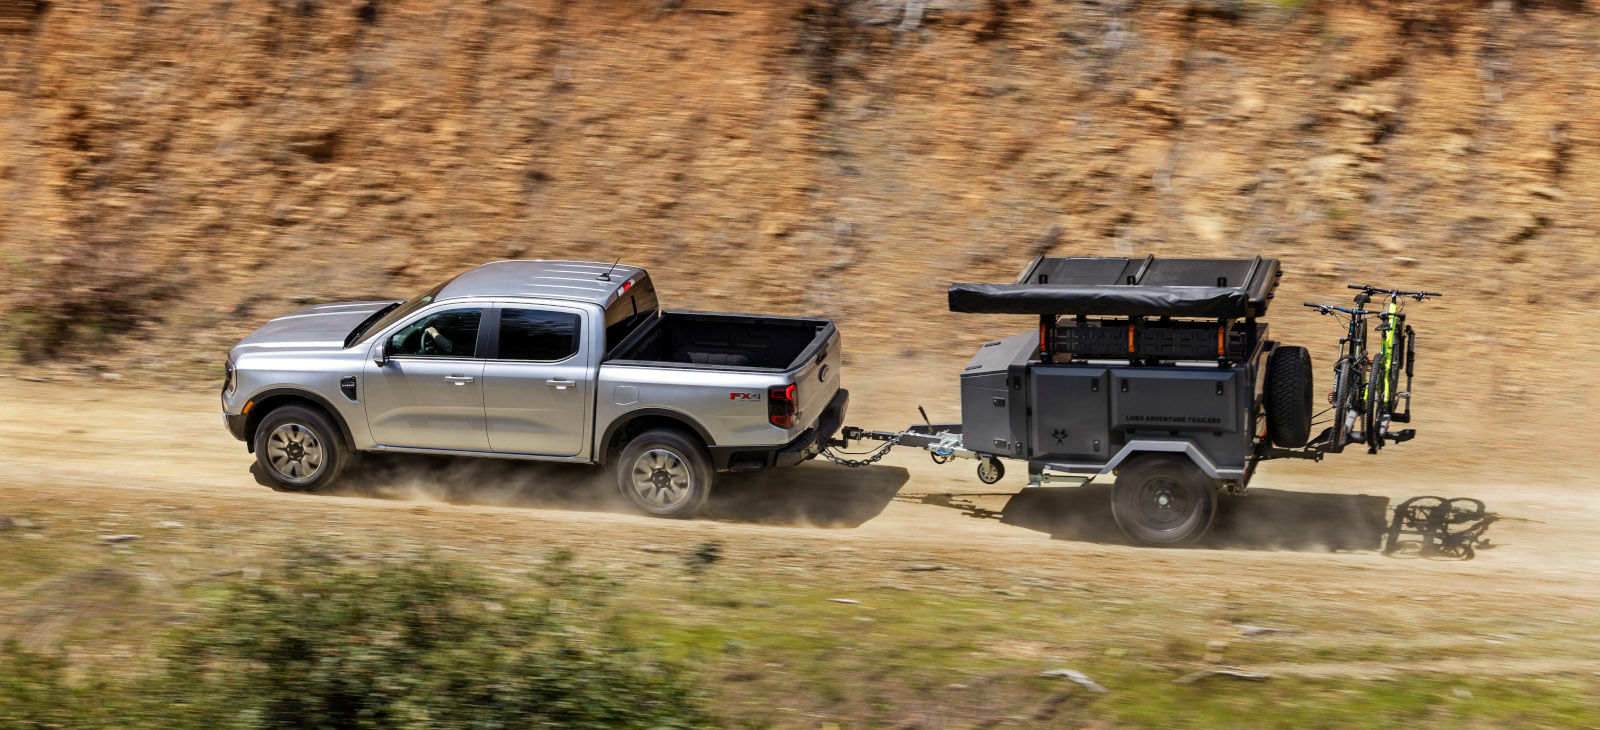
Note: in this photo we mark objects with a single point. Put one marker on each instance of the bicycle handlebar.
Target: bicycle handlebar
(1325, 308)
(1396, 292)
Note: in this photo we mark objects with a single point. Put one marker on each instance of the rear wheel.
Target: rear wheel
(1288, 395)
(1163, 500)
(299, 449)
(665, 472)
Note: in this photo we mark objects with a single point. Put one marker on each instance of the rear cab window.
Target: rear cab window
(635, 307)
(537, 335)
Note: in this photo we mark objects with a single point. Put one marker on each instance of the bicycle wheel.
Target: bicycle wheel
(1344, 386)
(1373, 416)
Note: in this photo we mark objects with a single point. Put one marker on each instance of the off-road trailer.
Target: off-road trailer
(1157, 371)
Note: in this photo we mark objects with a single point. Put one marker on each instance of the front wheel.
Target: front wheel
(1374, 410)
(1344, 386)
(298, 449)
(665, 473)
(1163, 500)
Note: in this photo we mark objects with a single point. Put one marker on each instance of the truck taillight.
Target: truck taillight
(781, 406)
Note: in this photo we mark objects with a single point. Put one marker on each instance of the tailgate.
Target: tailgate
(817, 378)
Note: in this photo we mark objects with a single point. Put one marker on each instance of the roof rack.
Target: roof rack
(1128, 287)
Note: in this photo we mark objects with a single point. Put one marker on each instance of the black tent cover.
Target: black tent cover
(1103, 299)
(1128, 287)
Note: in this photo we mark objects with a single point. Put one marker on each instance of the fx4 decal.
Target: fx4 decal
(744, 396)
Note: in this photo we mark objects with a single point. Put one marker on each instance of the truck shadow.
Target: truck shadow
(1266, 519)
(812, 494)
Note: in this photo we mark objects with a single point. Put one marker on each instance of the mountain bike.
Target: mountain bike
(1347, 400)
(1397, 348)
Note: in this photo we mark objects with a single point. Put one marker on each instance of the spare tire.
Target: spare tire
(1288, 396)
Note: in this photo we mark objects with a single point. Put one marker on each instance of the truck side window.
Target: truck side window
(535, 334)
(441, 334)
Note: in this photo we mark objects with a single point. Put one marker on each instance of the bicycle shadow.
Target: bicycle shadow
(813, 494)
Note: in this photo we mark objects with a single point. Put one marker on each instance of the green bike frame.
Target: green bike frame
(1386, 351)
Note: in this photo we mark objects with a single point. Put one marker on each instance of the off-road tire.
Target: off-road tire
(287, 442)
(665, 472)
(1137, 500)
(1288, 396)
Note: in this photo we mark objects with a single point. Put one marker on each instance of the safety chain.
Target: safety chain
(858, 463)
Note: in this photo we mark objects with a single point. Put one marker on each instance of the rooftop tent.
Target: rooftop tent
(1148, 287)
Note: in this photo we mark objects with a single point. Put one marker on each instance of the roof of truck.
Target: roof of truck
(1195, 287)
(573, 280)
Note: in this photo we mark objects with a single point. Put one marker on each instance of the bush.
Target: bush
(403, 644)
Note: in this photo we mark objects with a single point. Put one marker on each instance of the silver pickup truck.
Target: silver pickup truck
(545, 360)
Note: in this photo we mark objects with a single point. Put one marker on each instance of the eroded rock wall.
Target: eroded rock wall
(173, 172)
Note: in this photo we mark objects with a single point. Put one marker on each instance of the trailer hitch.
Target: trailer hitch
(942, 441)
(1272, 452)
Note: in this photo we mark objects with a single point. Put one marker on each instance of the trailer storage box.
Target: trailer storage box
(1069, 405)
(1207, 406)
(994, 401)
(1083, 414)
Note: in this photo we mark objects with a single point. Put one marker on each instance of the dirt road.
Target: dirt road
(976, 601)
(114, 447)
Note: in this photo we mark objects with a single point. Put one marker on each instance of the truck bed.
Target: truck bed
(724, 341)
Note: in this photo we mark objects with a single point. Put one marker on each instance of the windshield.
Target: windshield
(382, 318)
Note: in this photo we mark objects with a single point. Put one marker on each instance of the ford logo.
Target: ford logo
(822, 374)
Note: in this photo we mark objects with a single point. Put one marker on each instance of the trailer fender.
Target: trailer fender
(1136, 447)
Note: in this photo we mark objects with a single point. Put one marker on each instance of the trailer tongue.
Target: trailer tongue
(1158, 371)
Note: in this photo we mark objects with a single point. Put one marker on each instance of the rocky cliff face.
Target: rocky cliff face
(175, 171)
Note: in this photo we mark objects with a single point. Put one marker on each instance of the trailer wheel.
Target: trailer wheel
(1163, 500)
(990, 470)
(1288, 391)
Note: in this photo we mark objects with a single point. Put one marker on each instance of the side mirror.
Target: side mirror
(380, 354)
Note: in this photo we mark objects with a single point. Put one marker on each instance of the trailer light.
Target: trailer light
(781, 406)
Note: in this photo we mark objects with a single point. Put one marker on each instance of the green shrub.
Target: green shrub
(402, 644)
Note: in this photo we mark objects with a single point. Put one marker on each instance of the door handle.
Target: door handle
(458, 379)
(560, 383)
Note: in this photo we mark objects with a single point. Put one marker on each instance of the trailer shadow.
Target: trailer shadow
(1266, 519)
(813, 494)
